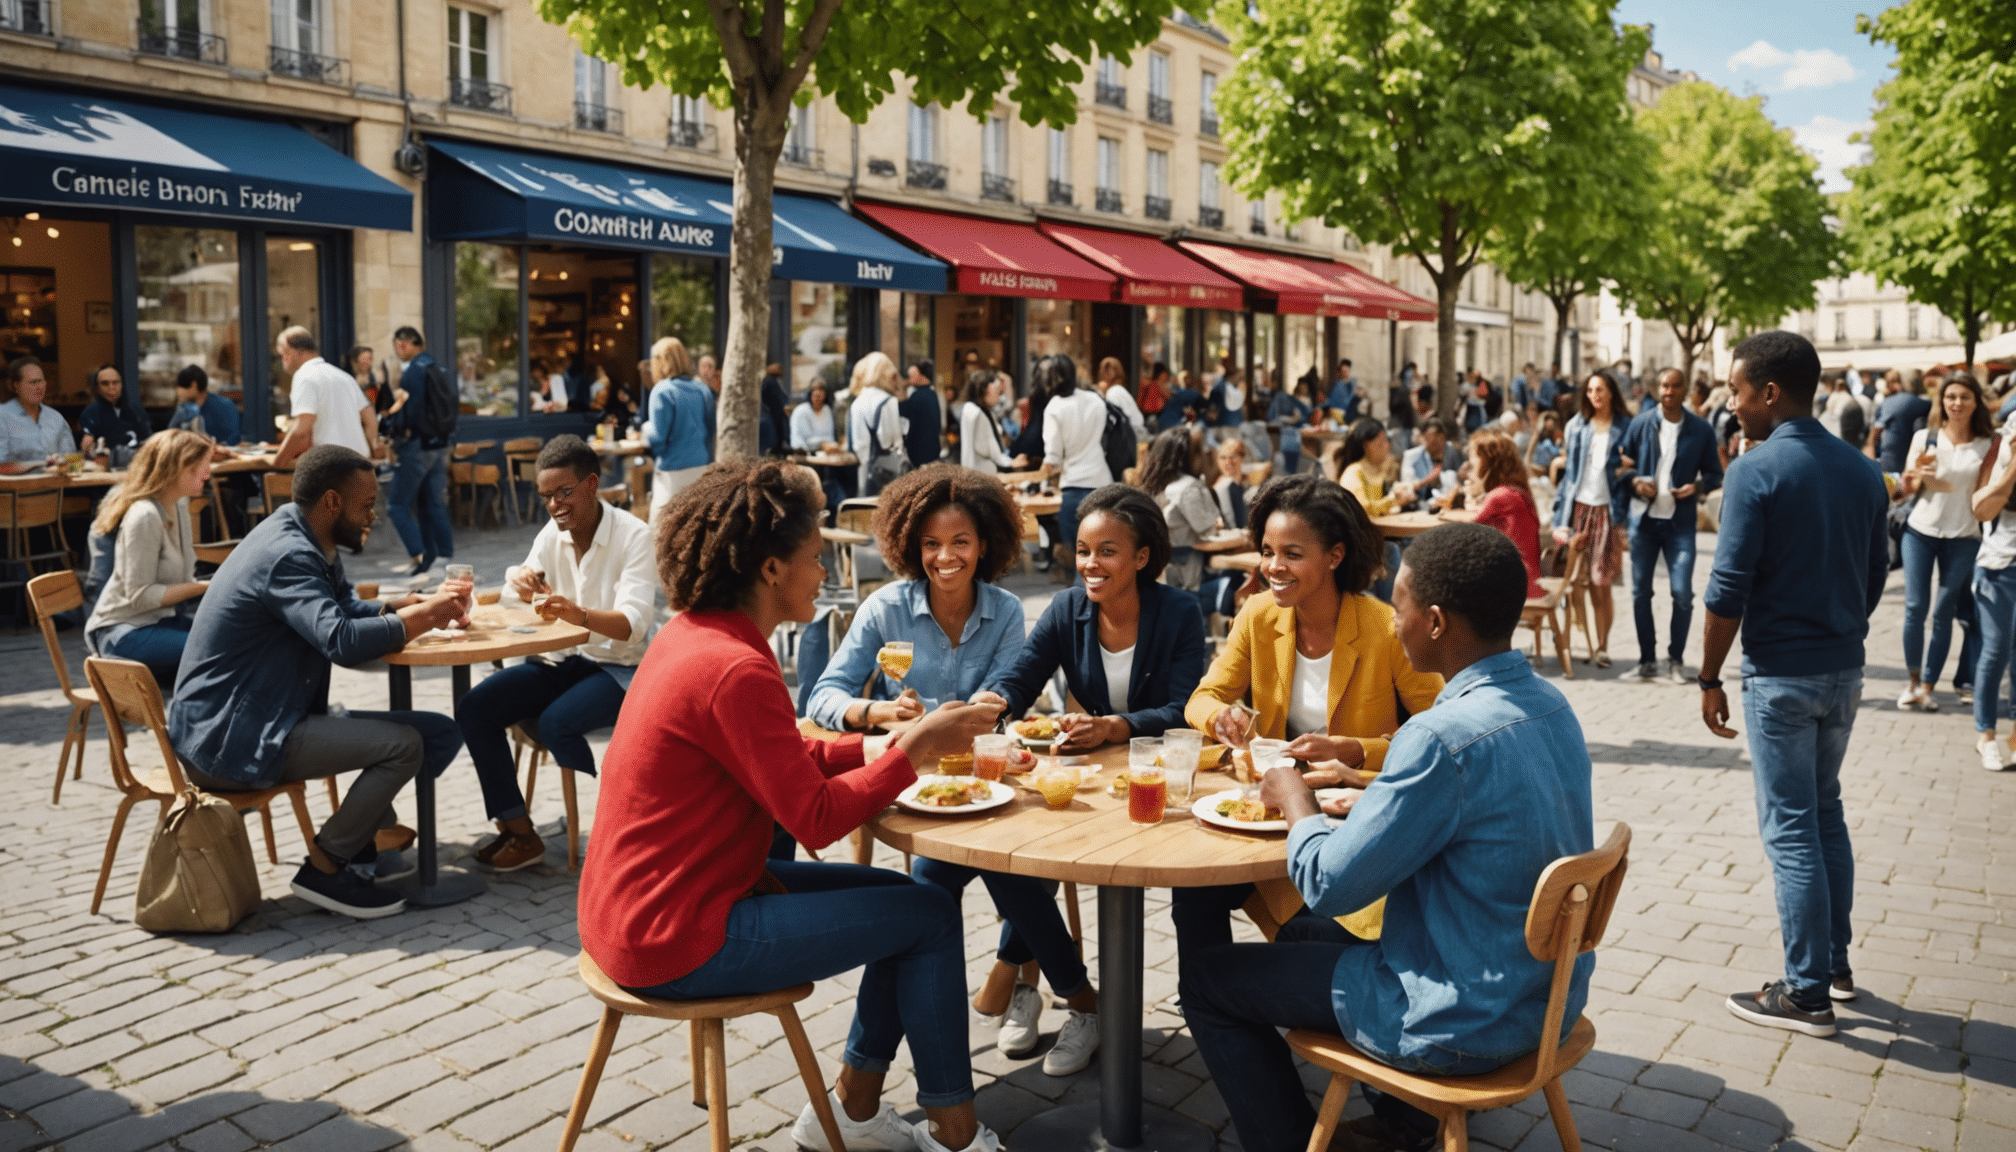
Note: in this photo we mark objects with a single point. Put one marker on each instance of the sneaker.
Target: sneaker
(1647, 671)
(345, 892)
(1602, 659)
(513, 852)
(983, 1141)
(1677, 672)
(1992, 756)
(1377, 1134)
(1076, 1042)
(883, 1132)
(392, 865)
(1842, 987)
(1965, 692)
(1772, 1008)
(1020, 1031)
(403, 567)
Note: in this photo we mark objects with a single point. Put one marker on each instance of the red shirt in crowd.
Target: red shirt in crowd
(1511, 512)
(705, 755)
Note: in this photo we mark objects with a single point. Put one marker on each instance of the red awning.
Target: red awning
(996, 257)
(1312, 287)
(1150, 271)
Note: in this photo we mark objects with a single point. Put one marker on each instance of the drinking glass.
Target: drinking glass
(894, 659)
(1267, 754)
(990, 756)
(467, 574)
(1147, 794)
(1181, 750)
(1058, 783)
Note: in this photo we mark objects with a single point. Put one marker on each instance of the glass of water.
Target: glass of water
(467, 574)
(1181, 749)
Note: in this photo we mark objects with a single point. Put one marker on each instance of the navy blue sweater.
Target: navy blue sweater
(1168, 659)
(1803, 553)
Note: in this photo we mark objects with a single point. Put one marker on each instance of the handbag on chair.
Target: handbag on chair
(198, 875)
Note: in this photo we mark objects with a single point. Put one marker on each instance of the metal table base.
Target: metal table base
(431, 886)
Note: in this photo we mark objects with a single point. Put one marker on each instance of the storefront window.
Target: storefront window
(1060, 327)
(188, 310)
(1161, 338)
(56, 288)
(818, 336)
(293, 296)
(486, 328)
(682, 301)
(1304, 344)
(1224, 344)
(1266, 352)
(583, 320)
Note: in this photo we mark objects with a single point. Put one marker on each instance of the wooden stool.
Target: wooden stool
(1542, 614)
(523, 740)
(709, 1048)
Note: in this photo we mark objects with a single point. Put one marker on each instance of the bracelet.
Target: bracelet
(1708, 685)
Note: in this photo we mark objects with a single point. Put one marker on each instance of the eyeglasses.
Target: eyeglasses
(562, 495)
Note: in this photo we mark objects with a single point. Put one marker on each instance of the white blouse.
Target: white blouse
(1948, 515)
(1309, 695)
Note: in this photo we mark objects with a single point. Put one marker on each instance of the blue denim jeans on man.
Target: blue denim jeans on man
(1954, 556)
(422, 474)
(562, 702)
(1995, 624)
(1674, 540)
(1799, 729)
(904, 936)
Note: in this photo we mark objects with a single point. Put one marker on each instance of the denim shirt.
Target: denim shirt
(1288, 413)
(1576, 445)
(680, 424)
(277, 614)
(1478, 795)
(990, 642)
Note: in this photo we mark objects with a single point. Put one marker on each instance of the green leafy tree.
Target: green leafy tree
(1738, 235)
(1426, 125)
(759, 58)
(1934, 209)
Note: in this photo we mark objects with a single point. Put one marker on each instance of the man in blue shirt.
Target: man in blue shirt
(1902, 413)
(1524, 390)
(195, 403)
(1551, 389)
(1800, 566)
(1478, 795)
(1674, 465)
(1430, 467)
(421, 473)
(1343, 399)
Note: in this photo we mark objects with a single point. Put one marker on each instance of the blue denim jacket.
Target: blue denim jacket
(1288, 413)
(1478, 795)
(1575, 444)
(939, 672)
(679, 425)
(277, 614)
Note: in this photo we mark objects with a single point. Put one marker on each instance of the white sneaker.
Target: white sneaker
(983, 1141)
(1677, 672)
(1992, 757)
(1602, 659)
(884, 1132)
(1019, 1031)
(1076, 1042)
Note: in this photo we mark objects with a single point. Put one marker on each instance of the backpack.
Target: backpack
(1854, 425)
(433, 416)
(884, 464)
(1117, 442)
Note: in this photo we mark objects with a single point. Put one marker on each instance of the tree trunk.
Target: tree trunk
(738, 416)
(1564, 307)
(1446, 287)
(1970, 328)
(1686, 338)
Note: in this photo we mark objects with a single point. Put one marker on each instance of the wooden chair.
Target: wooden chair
(277, 488)
(708, 1047)
(521, 458)
(1576, 587)
(471, 478)
(1542, 614)
(214, 551)
(1571, 906)
(49, 594)
(523, 740)
(23, 512)
(127, 693)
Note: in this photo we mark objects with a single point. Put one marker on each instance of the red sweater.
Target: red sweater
(1511, 512)
(706, 753)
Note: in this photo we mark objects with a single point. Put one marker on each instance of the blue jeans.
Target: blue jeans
(1799, 729)
(568, 700)
(1068, 500)
(1031, 926)
(1966, 616)
(1995, 624)
(158, 646)
(422, 473)
(1674, 540)
(1955, 558)
(907, 939)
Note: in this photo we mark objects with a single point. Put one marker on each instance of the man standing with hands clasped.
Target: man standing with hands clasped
(1675, 465)
(1801, 565)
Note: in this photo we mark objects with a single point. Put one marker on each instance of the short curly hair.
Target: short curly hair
(1472, 571)
(1143, 518)
(1336, 517)
(714, 536)
(915, 496)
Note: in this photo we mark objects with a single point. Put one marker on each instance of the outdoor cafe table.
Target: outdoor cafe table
(829, 459)
(489, 637)
(1093, 842)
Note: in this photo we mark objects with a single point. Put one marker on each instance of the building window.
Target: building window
(1060, 167)
(1877, 313)
(995, 183)
(925, 170)
(1207, 114)
(1209, 213)
(1160, 109)
(189, 309)
(1109, 175)
(801, 145)
(1256, 217)
(1911, 322)
(175, 28)
(297, 42)
(689, 127)
(592, 86)
(1111, 87)
(486, 326)
(1840, 327)
(469, 64)
(1156, 205)
(28, 16)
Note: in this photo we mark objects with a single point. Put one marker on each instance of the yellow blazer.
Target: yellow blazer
(1370, 679)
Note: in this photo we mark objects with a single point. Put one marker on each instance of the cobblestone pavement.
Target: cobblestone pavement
(460, 1028)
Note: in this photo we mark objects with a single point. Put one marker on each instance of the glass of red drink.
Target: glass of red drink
(990, 755)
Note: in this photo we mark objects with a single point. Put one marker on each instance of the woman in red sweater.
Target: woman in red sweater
(675, 898)
(1504, 499)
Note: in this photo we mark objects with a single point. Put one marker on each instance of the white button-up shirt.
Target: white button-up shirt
(25, 441)
(616, 574)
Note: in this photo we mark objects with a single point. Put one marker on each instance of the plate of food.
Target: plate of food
(1038, 733)
(954, 795)
(1232, 809)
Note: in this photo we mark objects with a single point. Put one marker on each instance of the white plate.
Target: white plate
(1206, 809)
(999, 794)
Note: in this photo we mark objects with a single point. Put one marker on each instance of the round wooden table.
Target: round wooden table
(489, 637)
(829, 459)
(1093, 842)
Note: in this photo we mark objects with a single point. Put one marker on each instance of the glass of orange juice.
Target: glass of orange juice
(990, 755)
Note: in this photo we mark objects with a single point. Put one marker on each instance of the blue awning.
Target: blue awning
(60, 149)
(480, 193)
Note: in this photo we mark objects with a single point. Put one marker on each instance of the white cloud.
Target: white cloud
(1827, 139)
(1801, 68)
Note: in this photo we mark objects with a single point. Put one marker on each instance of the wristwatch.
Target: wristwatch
(1708, 685)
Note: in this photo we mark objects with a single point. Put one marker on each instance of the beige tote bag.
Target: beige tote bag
(199, 875)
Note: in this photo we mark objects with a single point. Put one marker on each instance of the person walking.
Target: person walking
(1074, 426)
(1944, 466)
(875, 423)
(421, 442)
(1113, 387)
(1995, 598)
(328, 406)
(923, 417)
(1674, 464)
(1898, 418)
(1589, 503)
(1800, 566)
(678, 424)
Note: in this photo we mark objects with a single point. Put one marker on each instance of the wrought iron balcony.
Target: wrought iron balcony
(1061, 193)
(591, 117)
(692, 134)
(1257, 225)
(1108, 200)
(1155, 207)
(995, 187)
(304, 65)
(1111, 95)
(803, 156)
(1161, 110)
(1207, 124)
(29, 16)
(482, 95)
(924, 174)
(157, 39)
(1211, 217)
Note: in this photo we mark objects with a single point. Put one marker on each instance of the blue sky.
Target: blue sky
(1818, 76)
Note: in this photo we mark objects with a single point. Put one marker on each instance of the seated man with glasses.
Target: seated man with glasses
(591, 565)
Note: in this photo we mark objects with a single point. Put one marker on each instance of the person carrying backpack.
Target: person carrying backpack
(423, 429)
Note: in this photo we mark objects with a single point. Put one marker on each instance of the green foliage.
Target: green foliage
(1739, 234)
(1934, 209)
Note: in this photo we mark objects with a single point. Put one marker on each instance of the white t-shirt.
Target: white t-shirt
(1948, 515)
(331, 395)
(1595, 484)
(1072, 428)
(1120, 398)
(1309, 695)
(1119, 675)
(1669, 443)
(1998, 536)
